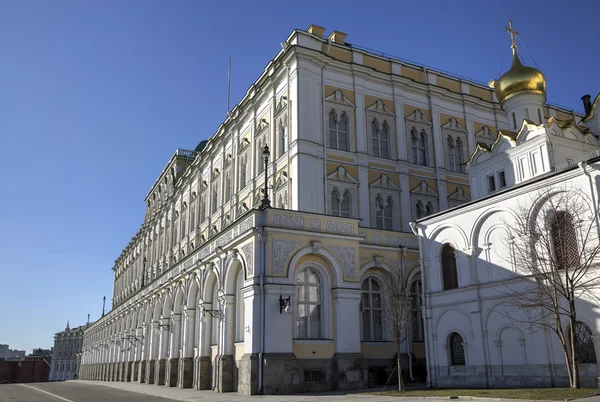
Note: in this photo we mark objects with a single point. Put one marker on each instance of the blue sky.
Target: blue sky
(96, 95)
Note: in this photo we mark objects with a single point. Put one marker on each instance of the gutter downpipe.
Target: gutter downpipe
(263, 240)
(415, 229)
(323, 130)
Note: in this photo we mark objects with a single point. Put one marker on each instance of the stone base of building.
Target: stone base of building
(128, 368)
(171, 372)
(202, 373)
(185, 377)
(284, 374)
(135, 371)
(512, 376)
(160, 371)
(224, 373)
(247, 383)
(150, 371)
(142, 372)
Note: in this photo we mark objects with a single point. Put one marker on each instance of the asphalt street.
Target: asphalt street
(70, 392)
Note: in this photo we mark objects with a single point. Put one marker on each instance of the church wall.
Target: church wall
(501, 348)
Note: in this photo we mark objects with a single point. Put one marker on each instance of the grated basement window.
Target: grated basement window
(314, 376)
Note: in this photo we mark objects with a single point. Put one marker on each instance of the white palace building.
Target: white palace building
(218, 291)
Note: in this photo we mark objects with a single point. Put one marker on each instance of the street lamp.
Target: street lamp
(266, 203)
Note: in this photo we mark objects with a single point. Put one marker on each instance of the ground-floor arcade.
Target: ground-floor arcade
(217, 319)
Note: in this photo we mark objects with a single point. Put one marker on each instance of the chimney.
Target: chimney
(587, 104)
(338, 37)
(316, 30)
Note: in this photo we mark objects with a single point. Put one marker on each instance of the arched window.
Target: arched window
(388, 212)
(419, 209)
(375, 137)
(372, 311)
(335, 202)
(419, 147)
(429, 208)
(243, 172)
(380, 139)
(458, 155)
(308, 304)
(346, 209)
(175, 229)
(585, 352)
(379, 212)
(457, 350)
(343, 133)
(215, 199)
(450, 145)
(202, 208)
(184, 213)
(341, 205)
(564, 240)
(416, 292)
(282, 138)
(449, 270)
(227, 187)
(239, 308)
(338, 131)
(260, 163)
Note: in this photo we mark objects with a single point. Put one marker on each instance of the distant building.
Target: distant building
(25, 369)
(6, 353)
(39, 352)
(66, 353)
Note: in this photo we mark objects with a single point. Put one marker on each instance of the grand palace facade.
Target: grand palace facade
(218, 291)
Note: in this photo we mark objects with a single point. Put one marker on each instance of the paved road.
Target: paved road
(70, 392)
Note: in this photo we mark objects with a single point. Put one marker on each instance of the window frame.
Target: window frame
(371, 310)
(449, 273)
(325, 329)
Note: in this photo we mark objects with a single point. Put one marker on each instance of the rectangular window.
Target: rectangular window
(314, 376)
(501, 179)
(491, 183)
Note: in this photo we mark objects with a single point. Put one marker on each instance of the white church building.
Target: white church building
(476, 330)
(218, 290)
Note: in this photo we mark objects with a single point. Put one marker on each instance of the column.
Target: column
(172, 365)
(163, 350)
(363, 196)
(186, 362)
(153, 350)
(226, 364)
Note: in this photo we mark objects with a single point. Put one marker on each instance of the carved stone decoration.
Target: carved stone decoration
(339, 227)
(362, 233)
(376, 238)
(316, 246)
(281, 251)
(248, 251)
(315, 224)
(363, 260)
(347, 256)
(288, 221)
(245, 225)
(394, 241)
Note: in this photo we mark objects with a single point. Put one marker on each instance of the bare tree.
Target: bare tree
(397, 310)
(555, 247)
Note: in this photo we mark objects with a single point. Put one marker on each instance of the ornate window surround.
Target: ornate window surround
(340, 104)
(458, 198)
(486, 136)
(425, 194)
(281, 189)
(386, 188)
(342, 180)
(454, 130)
(325, 299)
(380, 113)
(420, 122)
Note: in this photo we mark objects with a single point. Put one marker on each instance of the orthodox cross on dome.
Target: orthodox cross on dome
(513, 34)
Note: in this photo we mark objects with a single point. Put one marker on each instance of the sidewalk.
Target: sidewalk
(191, 395)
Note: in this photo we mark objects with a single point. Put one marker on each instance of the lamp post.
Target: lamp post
(266, 203)
(103, 305)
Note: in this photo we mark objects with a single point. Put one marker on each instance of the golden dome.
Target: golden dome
(519, 78)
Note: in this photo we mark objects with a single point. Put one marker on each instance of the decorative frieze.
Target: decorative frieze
(248, 251)
(394, 241)
(288, 221)
(339, 227)
(315, 225)
(347, 256)
(246, 225)
(281, 250)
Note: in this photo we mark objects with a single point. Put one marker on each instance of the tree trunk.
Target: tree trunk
(399, 367)
(574, 365)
